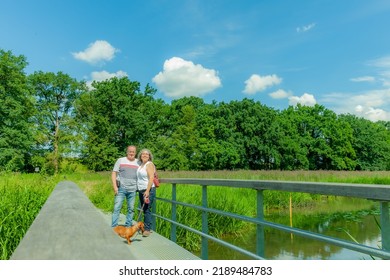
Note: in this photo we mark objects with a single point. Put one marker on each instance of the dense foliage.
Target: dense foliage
(52, 121)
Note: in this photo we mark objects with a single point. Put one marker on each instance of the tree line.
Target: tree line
(51, 122)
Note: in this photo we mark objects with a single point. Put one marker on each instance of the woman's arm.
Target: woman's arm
(150, 170)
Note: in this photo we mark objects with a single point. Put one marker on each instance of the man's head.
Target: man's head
(131, 152)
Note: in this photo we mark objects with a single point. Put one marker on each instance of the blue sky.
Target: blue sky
(331, 52)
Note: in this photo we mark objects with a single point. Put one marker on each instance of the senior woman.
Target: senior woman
(146, 188)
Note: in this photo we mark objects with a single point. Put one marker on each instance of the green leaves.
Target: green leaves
(55, 133)
(15, 113)
(47, 117)
(370, 142)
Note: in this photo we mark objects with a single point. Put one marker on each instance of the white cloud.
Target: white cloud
(359, 109)
(373, 98)
(280, 94)
(257, 83)
(382, 62)
(305, 28)
(373, 105)
(306, 99)
(181, 78)
(372, 114)
(363, 79)
(384, 77)
(370, 105)
(104, 75)
(97, 52)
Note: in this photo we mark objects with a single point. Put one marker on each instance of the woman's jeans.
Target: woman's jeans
(147, 208)
(118, 202)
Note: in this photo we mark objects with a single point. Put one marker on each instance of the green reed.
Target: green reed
(235, 200)
(23, 195)
(21, 199)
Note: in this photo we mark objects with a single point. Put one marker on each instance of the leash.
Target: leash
(140, 211)
(139, 216)
(146, 201)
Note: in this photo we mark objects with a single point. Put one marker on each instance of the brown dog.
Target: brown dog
(128, 232)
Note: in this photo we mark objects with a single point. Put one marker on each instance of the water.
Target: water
(284, 246)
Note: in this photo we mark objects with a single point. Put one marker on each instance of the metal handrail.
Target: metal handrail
(380, 193)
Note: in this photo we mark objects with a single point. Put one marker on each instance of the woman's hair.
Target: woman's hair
(145, 151)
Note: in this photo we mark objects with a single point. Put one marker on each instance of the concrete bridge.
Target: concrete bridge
(70, 227)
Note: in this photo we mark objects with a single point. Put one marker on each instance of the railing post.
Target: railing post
(173, 214)
(205, 228)
(260, 239)
(385, 225)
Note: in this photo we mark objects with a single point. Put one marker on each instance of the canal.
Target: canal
(357, 226)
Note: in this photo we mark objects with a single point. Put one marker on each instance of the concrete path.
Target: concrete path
(153, 247)
(70, 227)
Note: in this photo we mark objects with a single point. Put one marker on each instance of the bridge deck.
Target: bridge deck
(153, 247)
(69, 227)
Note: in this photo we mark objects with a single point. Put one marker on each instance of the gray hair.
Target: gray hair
(145, 151)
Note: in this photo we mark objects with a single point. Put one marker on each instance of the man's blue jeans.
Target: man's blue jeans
(118, 202)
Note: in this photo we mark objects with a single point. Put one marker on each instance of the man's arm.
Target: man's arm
(114, 181)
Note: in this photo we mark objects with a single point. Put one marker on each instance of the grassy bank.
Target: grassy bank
(235, 200)
(21, 198)
(23, 195)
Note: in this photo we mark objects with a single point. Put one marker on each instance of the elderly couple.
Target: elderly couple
(131, 174)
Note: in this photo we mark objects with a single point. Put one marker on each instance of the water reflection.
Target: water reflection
(284, 246)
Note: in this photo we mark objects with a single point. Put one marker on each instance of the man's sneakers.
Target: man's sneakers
(146, 233)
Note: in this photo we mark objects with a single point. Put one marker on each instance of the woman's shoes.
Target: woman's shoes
(146, 233)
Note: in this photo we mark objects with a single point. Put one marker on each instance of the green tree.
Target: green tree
(16, 109)
(113, 115)
(292, 147)
(326, 139)
(207, 149)
(231, 151)
(252, 123)
(55, 95)
(181, 144)
(371, 142)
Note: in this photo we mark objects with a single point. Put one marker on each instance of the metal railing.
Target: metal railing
(379, 193)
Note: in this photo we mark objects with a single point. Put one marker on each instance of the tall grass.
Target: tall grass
(235, 200)
(356, 177)
(21, 199)
(23, 195)
(238, 201)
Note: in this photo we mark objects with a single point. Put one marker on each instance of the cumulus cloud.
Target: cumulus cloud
(96, 52)
(373, 114)
(306, 99)
(370, 105)
(181, 78)
(373, 105)
(374, 98)
(280, 94)
(104, 75)
(305, 28)
(377, 114)
(257, 83)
